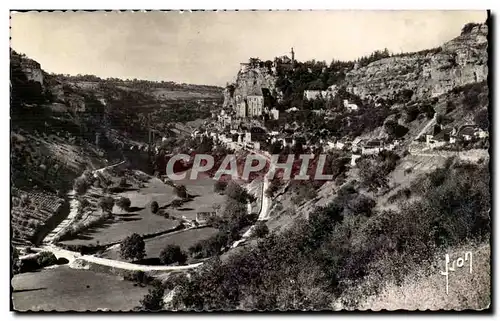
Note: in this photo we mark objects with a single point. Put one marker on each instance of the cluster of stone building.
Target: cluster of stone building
(442, 136)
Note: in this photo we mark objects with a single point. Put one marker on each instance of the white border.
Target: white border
(198, 4)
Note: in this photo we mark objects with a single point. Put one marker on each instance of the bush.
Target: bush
(176, 203)
(15, 259)
(133, 247)
(172, 254)
(46, 259)
(260, 230)
(106, 203)
(361, 205)
(123, 203)
(153, 301)
(181, 191)
(154, 207)
(24, 200)
(80, 186)
(220, 186)
(236, 192)
(138, 276)
(304, 192)
(274, 186)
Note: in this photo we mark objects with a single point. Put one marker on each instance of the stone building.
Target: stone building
(255, 105)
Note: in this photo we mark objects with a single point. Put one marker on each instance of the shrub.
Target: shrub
(236, 192)
(153, 301)
(361, 205)
(176, 203)
(133, 247)
(260, 230)
(15, 259)
(154, 207)
(304, 192)
(172, 254)
(81, 185)
(46, 259)
(106, 203)
(220, 186)
(181, 191)
(123, 203)
(274, 186)
(24, 200)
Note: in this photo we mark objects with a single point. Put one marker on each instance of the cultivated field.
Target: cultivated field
(140, 220)
(56, 289)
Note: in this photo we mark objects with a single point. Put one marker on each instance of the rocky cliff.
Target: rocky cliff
(249, 82)
(428, 73)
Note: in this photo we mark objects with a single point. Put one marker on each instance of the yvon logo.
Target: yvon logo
(459, 263)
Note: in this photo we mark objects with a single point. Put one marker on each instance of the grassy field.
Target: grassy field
(66, 289)
(155, 245)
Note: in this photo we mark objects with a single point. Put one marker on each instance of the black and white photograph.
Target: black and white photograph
(250, 160)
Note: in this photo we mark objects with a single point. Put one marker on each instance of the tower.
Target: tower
(293, 56)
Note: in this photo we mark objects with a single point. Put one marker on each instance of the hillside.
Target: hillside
(406, 140)
(375, 235)
(63, 125)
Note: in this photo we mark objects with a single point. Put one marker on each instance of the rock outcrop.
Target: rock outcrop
(428, 73)
(249, 82)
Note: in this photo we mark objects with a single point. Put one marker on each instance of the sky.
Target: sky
(207, 47)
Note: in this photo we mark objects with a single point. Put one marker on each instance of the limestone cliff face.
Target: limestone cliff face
(249, 82)
(458, 62)
(32, 70)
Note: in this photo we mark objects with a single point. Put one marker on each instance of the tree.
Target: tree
(220, 186)
(176, 203)
(394, 129)
(172, 254)
(123, 203)
(482, 119)
(80, 186)
(260, 230)
(46, 259)
(236, 192)
(153, 301)
(154, 207)
(133, 247)
(15, 259)
(106, 204)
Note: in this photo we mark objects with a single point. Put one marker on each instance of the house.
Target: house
(356, 144)
(275, 114)
(372, 147)
(481, 134)
(466, 133)
(204, 214)
(349, 106)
